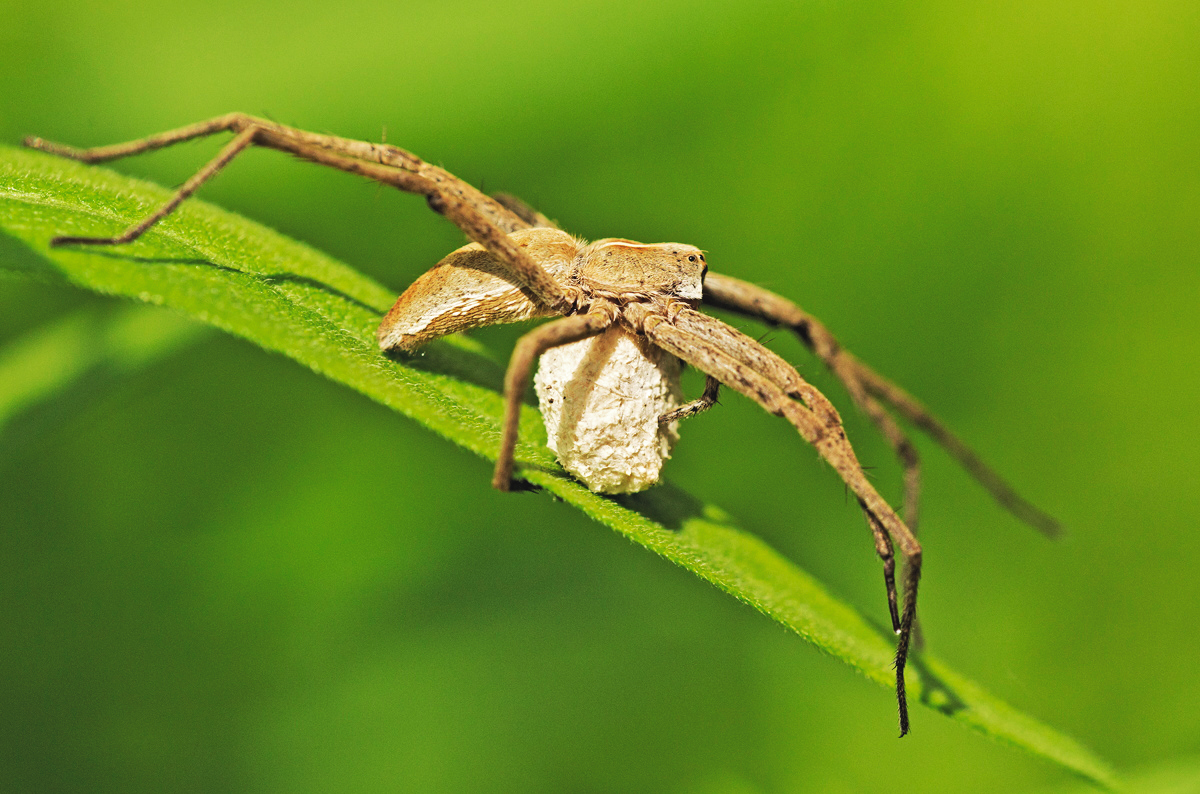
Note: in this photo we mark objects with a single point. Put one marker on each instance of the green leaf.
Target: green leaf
(252, 282)
(1177, 776)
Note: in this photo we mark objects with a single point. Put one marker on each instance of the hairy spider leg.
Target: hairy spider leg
(753, 301)
(748, 299)
(883, 547)
(712, 391)
(232, 149)
(785, 376)
(912, 410)
(529, 349)
(529, 216)
(481, 218)
(754, 373)
(864, 385)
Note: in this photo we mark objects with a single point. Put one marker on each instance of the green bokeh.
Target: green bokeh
(223, 573)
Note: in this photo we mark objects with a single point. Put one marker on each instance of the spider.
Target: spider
(640, 299)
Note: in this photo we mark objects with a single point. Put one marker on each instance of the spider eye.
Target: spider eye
(692, 258)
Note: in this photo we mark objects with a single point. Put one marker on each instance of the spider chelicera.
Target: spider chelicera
(641, 300)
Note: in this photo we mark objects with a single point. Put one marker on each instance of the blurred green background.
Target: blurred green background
(222, 573)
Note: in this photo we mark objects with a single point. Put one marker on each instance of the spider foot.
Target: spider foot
(516, 484)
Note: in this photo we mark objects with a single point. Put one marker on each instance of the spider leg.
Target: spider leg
(748, 299)
(883, 547)
(864, 386)
(784, 376)
(530, 216)
(230, 150)
(712, 390)
(100, 154)
(481, 218)
(746, 366)
(912, 410)
(529, 348)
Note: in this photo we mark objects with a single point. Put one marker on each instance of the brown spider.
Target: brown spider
(522, 266)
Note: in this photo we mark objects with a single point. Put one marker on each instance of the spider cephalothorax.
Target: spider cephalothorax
(627, 316)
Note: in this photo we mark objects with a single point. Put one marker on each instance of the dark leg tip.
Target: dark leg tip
(903, 707)
(58, 242)
(510, 484)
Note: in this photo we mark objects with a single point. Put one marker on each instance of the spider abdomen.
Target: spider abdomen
(601, 399)
(469, 288)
